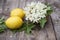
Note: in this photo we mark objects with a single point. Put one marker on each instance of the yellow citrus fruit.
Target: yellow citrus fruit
(17, 12)
(14, 22)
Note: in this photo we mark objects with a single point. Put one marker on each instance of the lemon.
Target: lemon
(17, 12)
(14, 22)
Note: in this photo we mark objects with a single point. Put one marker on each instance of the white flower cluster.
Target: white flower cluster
(35, 11)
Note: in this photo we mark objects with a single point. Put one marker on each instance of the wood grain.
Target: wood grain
(56, 22)
(56, 16)
(1, 4)
(3, 36)
(47, 33)
(11, 36)
(50, 30)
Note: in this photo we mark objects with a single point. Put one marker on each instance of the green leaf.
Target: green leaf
(2, 28)
(2, 24)
(29, 28)
(49, 11)
(42, 22)
(1, 19)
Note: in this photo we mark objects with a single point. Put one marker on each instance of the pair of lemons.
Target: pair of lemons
(15, 20)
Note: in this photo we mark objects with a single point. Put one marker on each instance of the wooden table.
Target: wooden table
(51, 30)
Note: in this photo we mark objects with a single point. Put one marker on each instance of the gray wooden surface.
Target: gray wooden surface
(52, 27)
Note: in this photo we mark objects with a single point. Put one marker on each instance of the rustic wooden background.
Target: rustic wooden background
(51, 30)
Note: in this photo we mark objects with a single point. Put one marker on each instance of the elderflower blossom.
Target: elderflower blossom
(35, 11)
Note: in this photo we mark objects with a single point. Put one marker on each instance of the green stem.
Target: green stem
(27, 27)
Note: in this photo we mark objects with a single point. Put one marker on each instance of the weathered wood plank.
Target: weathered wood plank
(56, 22)
(40, 34)
(22, 3)
(11, 36)
(50, 30)
(3, 36)
(1, 4)
(56, 17)
(10, 4)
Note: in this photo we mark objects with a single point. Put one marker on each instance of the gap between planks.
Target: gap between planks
(56, 17)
